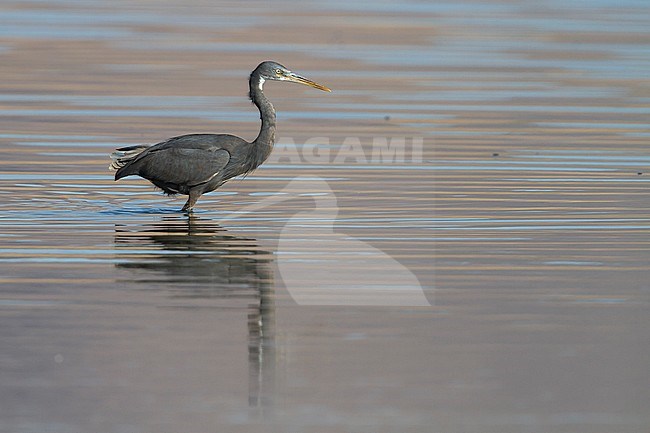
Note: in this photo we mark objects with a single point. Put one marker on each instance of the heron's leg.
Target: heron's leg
(191, 201)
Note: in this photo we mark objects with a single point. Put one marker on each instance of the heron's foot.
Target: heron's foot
(191, 201)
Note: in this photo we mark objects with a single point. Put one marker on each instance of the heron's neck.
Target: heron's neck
(266, 137)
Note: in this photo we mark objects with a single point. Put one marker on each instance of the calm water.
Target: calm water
(454, 240)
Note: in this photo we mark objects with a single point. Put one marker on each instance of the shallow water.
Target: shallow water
(455, 239)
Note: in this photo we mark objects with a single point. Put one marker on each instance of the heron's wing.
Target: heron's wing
(184, 166)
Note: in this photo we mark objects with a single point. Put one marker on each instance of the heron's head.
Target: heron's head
(270, 70)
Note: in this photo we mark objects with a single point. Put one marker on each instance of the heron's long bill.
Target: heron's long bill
(302, 80)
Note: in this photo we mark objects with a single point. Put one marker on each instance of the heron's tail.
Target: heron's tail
(124, 155)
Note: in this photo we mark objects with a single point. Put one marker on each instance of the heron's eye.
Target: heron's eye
(278, 72)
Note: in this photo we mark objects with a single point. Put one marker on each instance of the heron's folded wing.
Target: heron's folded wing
(184, 166)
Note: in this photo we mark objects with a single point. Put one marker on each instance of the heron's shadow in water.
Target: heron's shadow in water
(193, 258)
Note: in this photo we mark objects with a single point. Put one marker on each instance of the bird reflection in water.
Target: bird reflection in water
(200, 259)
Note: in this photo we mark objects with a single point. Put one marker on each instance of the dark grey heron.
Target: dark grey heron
(198, 163)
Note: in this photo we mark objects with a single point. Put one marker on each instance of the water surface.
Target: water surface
(505, 243)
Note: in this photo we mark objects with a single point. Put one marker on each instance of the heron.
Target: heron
(195, 164)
